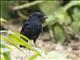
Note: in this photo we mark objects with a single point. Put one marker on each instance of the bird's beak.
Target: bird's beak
(45, 17)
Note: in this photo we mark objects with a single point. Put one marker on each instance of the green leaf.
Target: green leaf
(2, 57)
(48, 7)
(19, 40)
(50, 21)
(76, 23)
(4, 45)
(76, 14)
(26, 38)
(33, 57)
(70, 4)
(62, 16)
(3, 20)
(15, 40)
(11, 42)
(75, 26)
(6, 53)
(59, 33)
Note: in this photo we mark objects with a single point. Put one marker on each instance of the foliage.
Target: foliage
(59, 33)
(58, 20)
(12, 41)
(61, 17)
(7, 49)
(56, 14)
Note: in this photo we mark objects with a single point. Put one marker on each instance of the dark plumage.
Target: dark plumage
(33, 27)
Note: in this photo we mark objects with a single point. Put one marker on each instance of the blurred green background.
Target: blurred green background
(62, 25)
(63, 16)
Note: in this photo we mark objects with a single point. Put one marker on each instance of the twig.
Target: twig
(26, 5)
(22, 15)
(71, 4)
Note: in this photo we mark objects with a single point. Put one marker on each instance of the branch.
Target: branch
(26, 5)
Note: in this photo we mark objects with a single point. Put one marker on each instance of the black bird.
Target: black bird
(33, 26)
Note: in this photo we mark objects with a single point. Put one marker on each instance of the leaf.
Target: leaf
(3, 20)
(33, 57)
(16, 38)
(6, 53)
(76, 23)
(48, 7)
(70, 4)
(59, 33)
(75, 26)
(50, 21)
(62, 16)
(26, 38)
(4, 45)
(13, 43)
(76, 14)
(2, 57)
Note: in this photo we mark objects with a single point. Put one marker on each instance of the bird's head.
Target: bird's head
(39, 15)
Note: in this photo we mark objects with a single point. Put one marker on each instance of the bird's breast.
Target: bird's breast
(37, 27)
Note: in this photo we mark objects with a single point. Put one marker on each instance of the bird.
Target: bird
(33, 26)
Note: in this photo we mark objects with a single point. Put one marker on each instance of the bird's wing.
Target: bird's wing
(26, 28)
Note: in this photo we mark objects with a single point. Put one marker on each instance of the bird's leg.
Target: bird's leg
(35, 42)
